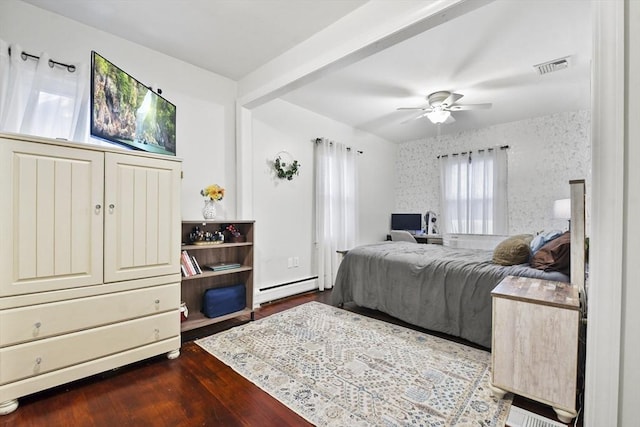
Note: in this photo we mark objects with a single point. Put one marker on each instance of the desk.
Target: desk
(434, 239)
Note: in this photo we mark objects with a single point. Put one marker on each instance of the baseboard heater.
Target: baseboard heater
(473, 241)
(283, 290)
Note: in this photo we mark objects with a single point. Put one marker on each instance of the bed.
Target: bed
(436, 287)
(432, 286)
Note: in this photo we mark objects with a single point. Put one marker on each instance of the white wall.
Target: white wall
(205, 102)
(544, 154)
(284, 210)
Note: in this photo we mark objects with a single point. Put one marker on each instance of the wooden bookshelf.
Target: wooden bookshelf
(194, 287)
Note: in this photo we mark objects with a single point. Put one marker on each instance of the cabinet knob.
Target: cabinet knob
(98, 207)
(37, 325)
(37, 366)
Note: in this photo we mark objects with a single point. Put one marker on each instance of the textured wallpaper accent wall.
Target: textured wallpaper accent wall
(545, 153)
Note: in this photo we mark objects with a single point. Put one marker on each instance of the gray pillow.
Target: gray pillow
(513, 250)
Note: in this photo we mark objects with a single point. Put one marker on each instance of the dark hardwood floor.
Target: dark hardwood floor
(193, 390)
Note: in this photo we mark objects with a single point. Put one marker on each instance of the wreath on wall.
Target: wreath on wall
(286, 170)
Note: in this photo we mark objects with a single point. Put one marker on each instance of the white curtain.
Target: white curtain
(474, 192)
(336, 206)
(454, 192)
(39, 99)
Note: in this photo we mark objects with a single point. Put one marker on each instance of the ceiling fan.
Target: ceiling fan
(441, 104)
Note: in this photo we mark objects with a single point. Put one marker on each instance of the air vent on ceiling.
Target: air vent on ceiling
(551, 66)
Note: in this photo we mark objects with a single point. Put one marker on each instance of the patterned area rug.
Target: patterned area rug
(337, 368)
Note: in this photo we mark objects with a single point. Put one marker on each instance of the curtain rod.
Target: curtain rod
(502, 147)
(317, 140)
(24, 55)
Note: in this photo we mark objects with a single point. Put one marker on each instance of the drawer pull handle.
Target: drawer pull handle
(37, 367)
(37, 325)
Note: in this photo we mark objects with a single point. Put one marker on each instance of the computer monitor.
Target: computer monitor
(411, 222)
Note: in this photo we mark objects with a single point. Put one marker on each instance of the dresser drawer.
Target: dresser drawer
(46, 320)
(37, 357)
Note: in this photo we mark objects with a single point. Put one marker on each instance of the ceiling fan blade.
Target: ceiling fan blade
(470, 107)
(451, 99)
(419, 116)
(424, 107)
(449, 120)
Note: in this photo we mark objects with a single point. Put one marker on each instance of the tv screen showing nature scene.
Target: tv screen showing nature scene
(126, 112)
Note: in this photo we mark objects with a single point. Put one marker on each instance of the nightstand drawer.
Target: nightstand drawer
(46, 320)
(34, 358)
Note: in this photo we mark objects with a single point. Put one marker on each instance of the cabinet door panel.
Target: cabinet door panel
(51, 232)
(142, 229)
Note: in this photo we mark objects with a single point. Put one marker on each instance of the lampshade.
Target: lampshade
(562, 209)
(438, 116)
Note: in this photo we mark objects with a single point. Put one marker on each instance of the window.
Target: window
(42, 97)
(474, 192)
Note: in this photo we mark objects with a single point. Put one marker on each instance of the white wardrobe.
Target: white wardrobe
(89, 261)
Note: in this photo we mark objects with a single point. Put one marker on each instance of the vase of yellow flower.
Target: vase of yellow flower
(212, 194)
(209, 209)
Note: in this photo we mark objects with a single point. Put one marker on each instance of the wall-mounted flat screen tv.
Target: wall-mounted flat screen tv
(411, 222)
(126, 112)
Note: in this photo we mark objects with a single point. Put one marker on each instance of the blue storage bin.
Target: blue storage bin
(220, 301)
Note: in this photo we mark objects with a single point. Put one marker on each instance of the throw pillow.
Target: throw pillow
(554, 255)
(513, 250)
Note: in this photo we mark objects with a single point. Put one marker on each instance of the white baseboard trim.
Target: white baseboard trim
(262, 296)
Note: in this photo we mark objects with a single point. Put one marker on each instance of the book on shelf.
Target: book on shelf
(183, 266)
(188, 264)
(221, 266)
(196, 265)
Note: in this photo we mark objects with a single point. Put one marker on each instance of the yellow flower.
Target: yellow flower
(213, 192)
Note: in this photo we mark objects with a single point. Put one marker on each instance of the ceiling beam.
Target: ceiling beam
(373, 27)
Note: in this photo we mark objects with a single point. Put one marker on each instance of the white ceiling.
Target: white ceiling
(487, 55)
(229, 37)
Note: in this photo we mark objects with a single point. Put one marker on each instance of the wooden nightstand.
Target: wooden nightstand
(535, 342)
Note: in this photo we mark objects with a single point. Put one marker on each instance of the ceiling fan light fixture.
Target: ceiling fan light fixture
(438, 116)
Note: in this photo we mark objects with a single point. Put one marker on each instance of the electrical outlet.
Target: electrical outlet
(289, 262)
(296, 261)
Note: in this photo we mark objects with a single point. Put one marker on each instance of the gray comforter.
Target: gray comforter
(432, 286)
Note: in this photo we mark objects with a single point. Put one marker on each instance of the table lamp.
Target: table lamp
(562, 210)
